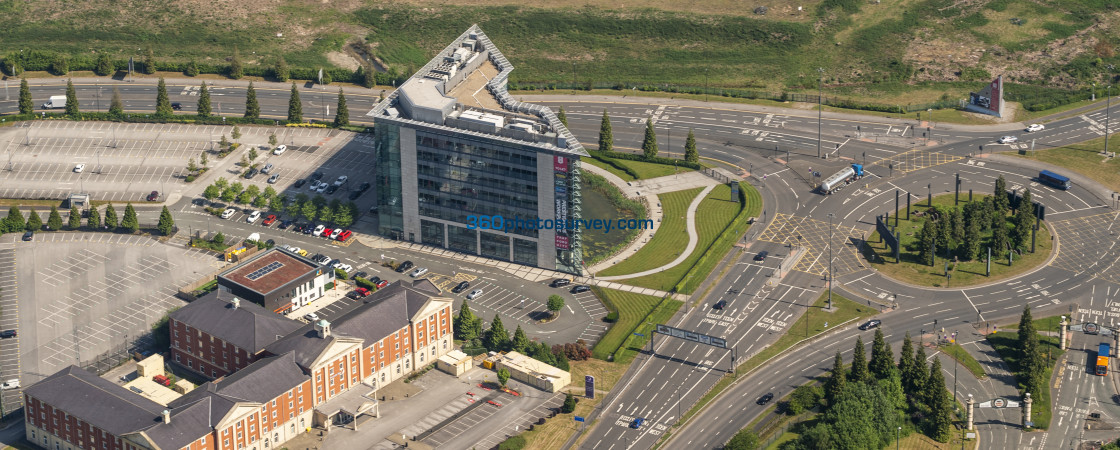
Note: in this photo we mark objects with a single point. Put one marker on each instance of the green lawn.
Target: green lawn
(715, 212)
(1083, 160)
(1042, 325)
(965, 359)
(966, 273)
(1006, 344)
(637, 344)
(631, 309)
(671, 236)
(647, 170)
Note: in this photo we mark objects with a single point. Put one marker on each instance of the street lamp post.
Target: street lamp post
(830, 261)
(820, 107)
(1108, 104)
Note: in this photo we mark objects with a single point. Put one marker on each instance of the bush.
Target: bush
(362, 282)
(612, 317)
(513, 443)
(576, 351)
(341, 274)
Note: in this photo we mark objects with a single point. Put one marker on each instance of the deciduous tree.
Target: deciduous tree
(116, 106)
(281, 70)
(562, 116)
(236, 71)
(103, 66)
(555, 303)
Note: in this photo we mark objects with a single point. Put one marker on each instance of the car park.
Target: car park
(419, 272)
(404, 266)
(579, 289)
(267, 168)
(335, 233)
(228, 213)
(273, 178)
(341, 180)
(79, 168)
(462, 286)
(1008, 139)
(280, 149)
(637, 423)
(8, 334)
(761, 256)
(29, 236)
(559, 282)
(153, 196)
(873, 323)
(311, 317)
(720, 304)
(253, 216)
(765, 398)
(10, 384)
(269, 220)
(319, 230)
(1035, 127)
(299, 183)
(345, 235)
(474, 294)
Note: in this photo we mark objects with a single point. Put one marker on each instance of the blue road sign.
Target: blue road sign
(580, 419)
(638, 334)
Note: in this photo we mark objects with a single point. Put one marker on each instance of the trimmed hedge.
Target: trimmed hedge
(655, 160)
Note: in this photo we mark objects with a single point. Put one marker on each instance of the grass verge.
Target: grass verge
(961, 355)
(666, 244)
(1042, 324)
(609, 168)
(631, 308)
(806, 326)
(1006, 344)
(965, 273)
(1084, 159)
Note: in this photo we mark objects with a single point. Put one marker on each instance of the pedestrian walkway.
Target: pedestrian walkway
(693, 239)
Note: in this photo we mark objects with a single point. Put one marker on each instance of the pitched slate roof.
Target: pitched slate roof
(249, 326)
(98, 401)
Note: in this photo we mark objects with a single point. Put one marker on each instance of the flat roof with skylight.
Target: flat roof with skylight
(271, 270)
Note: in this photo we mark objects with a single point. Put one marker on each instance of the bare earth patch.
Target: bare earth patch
(344, 60)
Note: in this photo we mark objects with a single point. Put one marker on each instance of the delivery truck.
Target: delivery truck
(56, 101)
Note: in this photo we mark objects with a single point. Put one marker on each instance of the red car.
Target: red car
(269, 220)
(342, 237)
(327, 232)
(361, 292)
(381, 284)
(153, 196)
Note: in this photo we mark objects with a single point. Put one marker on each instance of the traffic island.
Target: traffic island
(958, 260)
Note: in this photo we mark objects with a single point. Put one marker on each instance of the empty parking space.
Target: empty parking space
(9, 320)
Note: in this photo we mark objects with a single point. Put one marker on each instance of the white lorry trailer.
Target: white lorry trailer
(56, 101)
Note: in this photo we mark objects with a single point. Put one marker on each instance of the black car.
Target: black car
(720, 304)
(579, 289)
(363, 187)
(404, 266)
(315, 257)
(560, 282)
(28, 236)
(7, 334)
(361, 275)
(177, 106)
(317, 175)
(251, 173)
(375, 280)
(354, 195)
(761, 256)
(873, 323)
(284, 225)
(332, 189)
(300, 182)
(461, 287)
(307, 228)
(270, 243)
(765, 398)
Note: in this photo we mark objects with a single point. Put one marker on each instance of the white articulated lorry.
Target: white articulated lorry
(56, 101)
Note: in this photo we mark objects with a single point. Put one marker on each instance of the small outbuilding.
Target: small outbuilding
(455, 362)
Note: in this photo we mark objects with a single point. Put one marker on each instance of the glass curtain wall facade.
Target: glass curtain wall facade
(387, 177)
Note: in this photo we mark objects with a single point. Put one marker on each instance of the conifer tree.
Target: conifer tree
(834, 386)
(649, 142)
(295, 106)
(606, 136)
(252, 107)
(690, 153)
(26, 106)
(859, 363)
(342, 113)
(203, 101)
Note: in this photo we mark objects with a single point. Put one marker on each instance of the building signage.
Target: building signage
(562, 242)
(561, 190)
(589, 386)
(560, 163)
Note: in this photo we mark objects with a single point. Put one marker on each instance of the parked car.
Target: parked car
(307, 229)
(251, 173)
(462, 286)
(153, 196)
(361, 275)
(1008, 139)
(559, 282)
(761, 256)
(474, 294)
(273, 178)
(345, 235)
(269, 220)
(79, 168)
(381, 284)
(363, 187)
(311, 317)
(299, 183)
(10, 384)
(765, 398)
(354, 195)
(284, 224)
(420, 271)
(873, 323)
(637, 423)
(331, 189)
(29, 236)
(359, 293)
(313, 186)
(301, 252)
(319, 230)
(720, 305)
(336, 233)
(345, 267)
(8, 334)
(327, 232)
(322, 187)
(317, 175)
(335, 263)
(579, 289)
(228, 213)
(404, 266)
(267, 168)
(280, 149)
(341, 180)
(1035, 127)
(253, 216)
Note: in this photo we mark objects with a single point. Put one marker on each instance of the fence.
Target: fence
(776, 429)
